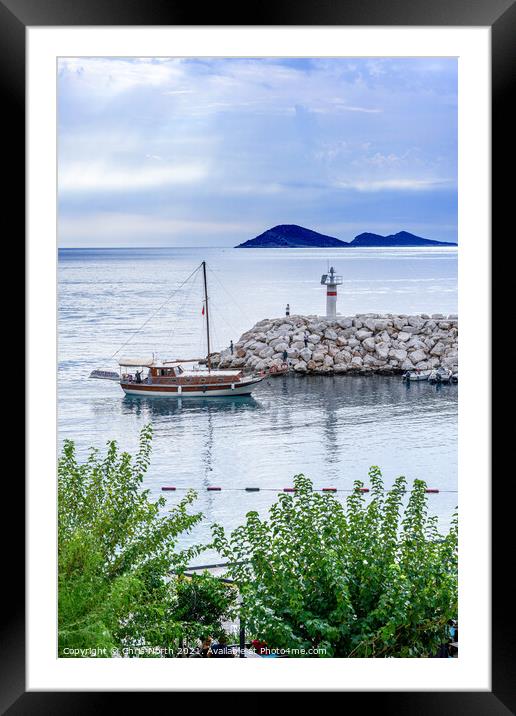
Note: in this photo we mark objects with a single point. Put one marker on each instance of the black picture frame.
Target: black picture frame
(500, 15)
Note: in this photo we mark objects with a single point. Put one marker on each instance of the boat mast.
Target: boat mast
(207, 312)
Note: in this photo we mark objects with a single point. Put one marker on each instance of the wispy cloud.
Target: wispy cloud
(395, 184)
(203, 144)
(95, 177)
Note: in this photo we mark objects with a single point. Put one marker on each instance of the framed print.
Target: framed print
(252, 432)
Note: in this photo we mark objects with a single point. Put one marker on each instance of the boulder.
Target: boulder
(360, 335)
(417, 356)
(422, 365)
(398, 354)
(345, 322)
(438, 349)
(266, 352)
(407, 365)
(382, 350)
(330, 334)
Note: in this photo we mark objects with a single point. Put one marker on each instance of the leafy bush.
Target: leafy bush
(354, 581)
(116, 549)
(205, 601)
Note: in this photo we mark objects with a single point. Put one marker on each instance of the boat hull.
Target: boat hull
(190, 391)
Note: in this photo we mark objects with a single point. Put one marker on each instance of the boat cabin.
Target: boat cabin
(152, 372)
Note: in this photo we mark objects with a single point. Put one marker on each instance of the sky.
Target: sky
(212, 152)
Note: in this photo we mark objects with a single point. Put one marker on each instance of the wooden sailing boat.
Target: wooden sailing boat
(173, 378)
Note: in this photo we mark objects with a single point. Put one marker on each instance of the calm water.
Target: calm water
(332, 429)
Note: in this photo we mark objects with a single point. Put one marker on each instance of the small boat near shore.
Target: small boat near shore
(440, 375)
(415, 375)
(186, 378)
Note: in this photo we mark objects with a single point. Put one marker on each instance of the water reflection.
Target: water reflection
(330, 428)
(162, 406)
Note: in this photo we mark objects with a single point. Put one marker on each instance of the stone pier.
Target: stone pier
(365, 343)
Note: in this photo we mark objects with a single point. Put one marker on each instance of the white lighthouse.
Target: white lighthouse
(331, 281)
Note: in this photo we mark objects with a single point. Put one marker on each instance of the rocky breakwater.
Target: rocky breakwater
(369, 343)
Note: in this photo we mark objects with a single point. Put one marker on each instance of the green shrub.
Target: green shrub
(116, 549)
(354, 581)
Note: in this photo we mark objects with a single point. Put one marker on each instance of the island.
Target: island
(291, 236)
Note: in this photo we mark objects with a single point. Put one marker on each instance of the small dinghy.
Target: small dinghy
(440, 375)
(415, 375)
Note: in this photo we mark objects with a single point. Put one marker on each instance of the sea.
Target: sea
(116, 303)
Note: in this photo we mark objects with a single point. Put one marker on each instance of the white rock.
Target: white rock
(266, 352)
(398, 354)
(403, 336)
(356, 362)
(423, 365)
(382, 350)
(300, 366)
(305, 354)
(415, 343)
(407, 365)
(345, 322)
(438, 349)
(363, 334)
(369, 344)
(330, 334)
(417, 356)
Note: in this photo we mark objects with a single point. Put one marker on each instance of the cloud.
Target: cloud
(108, 226)
(248, 142)
(395, 184)
(93, 176)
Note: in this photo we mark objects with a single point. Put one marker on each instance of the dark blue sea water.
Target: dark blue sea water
(332, 429)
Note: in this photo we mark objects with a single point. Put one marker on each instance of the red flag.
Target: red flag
(203, 310)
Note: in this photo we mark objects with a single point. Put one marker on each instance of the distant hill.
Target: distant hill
(291, 236)
(402, 238)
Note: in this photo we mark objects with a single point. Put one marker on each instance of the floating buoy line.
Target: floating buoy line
(217, 488)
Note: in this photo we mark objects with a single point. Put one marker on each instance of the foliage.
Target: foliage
(116, 549)
(354, 581)
(205, 601)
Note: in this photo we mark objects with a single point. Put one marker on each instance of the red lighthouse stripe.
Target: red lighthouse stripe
(331, 293)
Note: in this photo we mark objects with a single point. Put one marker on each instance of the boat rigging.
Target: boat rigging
(174, 378)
